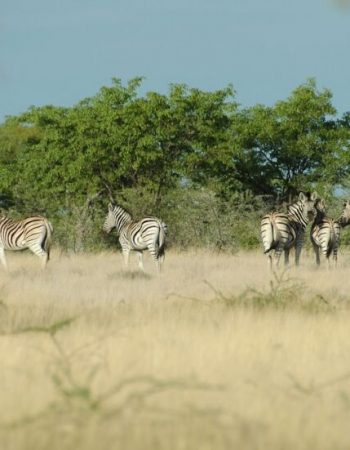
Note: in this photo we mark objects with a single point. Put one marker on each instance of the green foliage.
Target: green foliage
(206, 166)
(295, 145)
(201, 218)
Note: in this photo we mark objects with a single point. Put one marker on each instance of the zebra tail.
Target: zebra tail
(46, 244)
(163, 229)
(331, 242)
(273, 237)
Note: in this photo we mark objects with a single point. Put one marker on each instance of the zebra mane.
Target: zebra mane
(120, 209)
(295, 212)
(320, 210)
(121, 215)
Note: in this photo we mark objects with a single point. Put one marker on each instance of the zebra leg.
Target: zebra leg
(298, 247)
(161, 258)
(41, 253)
(278, 253)
(126, 254)
(154, 253)
(140, 258)
(44, 260)
(269, 256)
(286, 256)
(3, 258)
(159, 262)
(317, 253)
(335, 256)
(157, 259)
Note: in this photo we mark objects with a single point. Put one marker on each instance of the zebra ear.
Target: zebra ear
(110, 206)
(314, 196)
(302, 197)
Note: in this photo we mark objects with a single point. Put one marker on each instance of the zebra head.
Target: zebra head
(344, 219)
(117, 218)
(320, 207)
(110, 221)
(306, 204)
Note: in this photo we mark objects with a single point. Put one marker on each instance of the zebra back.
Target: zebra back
(325, 231)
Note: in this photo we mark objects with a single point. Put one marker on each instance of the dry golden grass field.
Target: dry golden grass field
(216, 353)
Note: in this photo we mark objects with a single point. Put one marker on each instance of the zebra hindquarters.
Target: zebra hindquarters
(39, 240)
(156, 246)
(325, 239)
(268, 234)
(267, 237)
(274, 235)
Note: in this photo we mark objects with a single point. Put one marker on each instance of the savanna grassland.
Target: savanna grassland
(216, 353)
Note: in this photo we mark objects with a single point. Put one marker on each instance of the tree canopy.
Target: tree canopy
(54, 158)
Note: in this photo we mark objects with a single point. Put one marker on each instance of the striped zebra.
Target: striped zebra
(33, 233)
(325, 234)
(147, 233)
(344, 219)
(280, 232)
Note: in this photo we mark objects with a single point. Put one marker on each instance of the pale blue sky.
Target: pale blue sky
(60, 51)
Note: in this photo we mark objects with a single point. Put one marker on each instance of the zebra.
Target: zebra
(147, 233)
(33, 232)
(344, 219)
(280, 232)
(325, 234)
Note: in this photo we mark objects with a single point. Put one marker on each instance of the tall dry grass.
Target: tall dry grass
(216, 353)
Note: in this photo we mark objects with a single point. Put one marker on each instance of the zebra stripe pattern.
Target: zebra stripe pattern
(325, 234)
(33, 233)
(344, 219)
(146, 234)
(280, 232)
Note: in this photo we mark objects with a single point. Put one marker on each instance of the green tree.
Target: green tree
(157, 150)
(295, 145)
